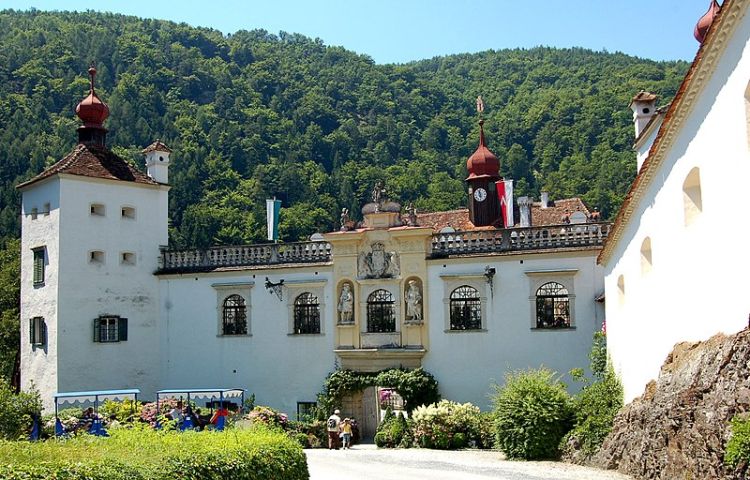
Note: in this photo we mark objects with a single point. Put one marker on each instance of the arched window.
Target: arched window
(306, 314)
(235, 316)
(621, 289)
(691, 196)
(466, 309)
(552, 306)
(646, 256)
(381, 314)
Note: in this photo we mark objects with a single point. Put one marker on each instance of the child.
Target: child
(346, 429)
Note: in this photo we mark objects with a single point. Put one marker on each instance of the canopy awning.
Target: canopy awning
(95, 395)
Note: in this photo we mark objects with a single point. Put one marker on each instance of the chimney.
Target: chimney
(545, 199)
(524, 210)
(644, 109)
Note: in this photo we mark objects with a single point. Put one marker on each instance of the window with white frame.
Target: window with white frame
(552, 306)
(465, 309)
(234, 316)
(37, 331)
(306, 314)
(110, 329)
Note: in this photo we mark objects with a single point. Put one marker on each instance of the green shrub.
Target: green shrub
(17, 411)
(485, 433)
(532, 413)
(437, 425)
(738, 447)
(124, 411)
(391, 430)
(141, 453)
(595, 408)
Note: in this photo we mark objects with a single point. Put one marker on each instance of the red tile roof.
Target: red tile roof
(157, 146)
(459, 219)
(94, 161)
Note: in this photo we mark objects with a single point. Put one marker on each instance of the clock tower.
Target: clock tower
(484, 171)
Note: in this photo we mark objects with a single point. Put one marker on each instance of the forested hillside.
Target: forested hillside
(252, 115)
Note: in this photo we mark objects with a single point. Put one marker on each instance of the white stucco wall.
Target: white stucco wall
(697, 285)
(88, 290)
(281, 369)
(39, 364)
(467, 363)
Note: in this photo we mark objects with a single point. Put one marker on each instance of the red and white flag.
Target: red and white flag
(505, 195)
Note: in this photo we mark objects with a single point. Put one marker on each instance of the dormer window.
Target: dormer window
(97, 209)
(128, 212)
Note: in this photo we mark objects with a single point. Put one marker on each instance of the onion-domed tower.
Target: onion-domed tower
(701, 28)
(93, 112)
(484, 171)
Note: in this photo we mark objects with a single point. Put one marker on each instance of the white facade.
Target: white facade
(677, 261)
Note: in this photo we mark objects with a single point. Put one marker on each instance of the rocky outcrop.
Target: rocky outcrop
(679, 427)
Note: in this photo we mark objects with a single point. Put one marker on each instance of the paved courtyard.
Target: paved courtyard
(366, 462)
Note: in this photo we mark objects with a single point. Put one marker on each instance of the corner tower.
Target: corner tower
(484, 171)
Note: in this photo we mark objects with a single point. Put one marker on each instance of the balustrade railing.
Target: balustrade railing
(519, 239)
(245, 255)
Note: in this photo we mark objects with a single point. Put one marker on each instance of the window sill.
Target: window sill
(347, 324)
(38, 284)
(221, 335)
(552, 329)
(478, 330)
(305, 334)
(414, 324)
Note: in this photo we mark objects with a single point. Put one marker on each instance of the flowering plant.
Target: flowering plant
(268, 416)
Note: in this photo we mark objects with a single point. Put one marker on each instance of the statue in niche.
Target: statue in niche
(346, 304)
(378, 263)
(413, 302)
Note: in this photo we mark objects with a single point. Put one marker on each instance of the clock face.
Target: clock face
(480, 194)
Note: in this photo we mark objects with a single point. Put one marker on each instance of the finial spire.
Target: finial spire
(92, 74)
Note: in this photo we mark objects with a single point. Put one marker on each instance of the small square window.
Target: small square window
(37, 331)
(110, 329)
(128, 212)
(47, 209)
(96, 256)
(127, 258)
(34, 213)
(97, 209)
(39, 258)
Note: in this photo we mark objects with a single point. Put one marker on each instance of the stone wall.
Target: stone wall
(679, 427)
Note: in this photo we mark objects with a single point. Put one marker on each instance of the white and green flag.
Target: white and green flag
(273, 207)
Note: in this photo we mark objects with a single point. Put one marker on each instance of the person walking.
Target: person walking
(333, 426)
(346, 431)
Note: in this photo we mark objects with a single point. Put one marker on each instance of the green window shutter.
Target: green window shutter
(96, 330)
(42, 332)
(39, 266)
(122, 329)
(32, 330)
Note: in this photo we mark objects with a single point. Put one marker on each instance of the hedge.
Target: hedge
(143, 454)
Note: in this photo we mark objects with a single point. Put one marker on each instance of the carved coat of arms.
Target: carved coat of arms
(378, 263)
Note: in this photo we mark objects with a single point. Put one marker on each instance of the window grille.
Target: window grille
(306, 411)
(552, 306)
(110, 329)
(381, 314)
(306, 314)
(465, 309)
(235, 316)
(39, 266)
(37, 331)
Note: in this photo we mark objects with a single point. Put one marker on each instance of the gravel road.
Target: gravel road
(366, 462)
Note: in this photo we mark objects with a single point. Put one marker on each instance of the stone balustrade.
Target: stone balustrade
(519, 239)
(441, 245)
(244, 255)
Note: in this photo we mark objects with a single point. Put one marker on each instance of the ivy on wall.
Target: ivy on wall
(417, 387)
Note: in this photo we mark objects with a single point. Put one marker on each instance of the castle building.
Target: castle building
(106, 304)
(676, 260)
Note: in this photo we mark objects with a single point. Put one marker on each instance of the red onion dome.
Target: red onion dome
(92, 111)
(701, 28)
(482, 162)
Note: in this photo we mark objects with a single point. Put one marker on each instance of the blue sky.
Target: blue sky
(404, 30)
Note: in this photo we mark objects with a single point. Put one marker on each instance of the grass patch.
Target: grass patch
(141, 453)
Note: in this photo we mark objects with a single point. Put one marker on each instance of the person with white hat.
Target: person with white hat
(333, 426)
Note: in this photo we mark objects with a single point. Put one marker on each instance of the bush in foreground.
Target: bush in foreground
(141, 453)
(532, 413)
(17, 411)
(448, 425)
